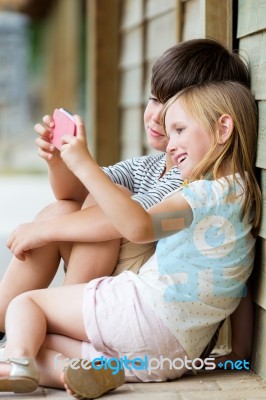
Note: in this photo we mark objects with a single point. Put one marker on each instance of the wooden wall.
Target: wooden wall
(252, 35)
(147, 29)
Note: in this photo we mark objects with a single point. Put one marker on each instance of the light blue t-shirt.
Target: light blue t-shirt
(197, 276)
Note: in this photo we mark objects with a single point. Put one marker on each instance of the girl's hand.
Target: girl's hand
(25, 238)
(74, 150)
(46, 149)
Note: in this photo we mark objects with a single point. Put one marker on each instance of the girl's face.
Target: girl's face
(189, 142)
(155, 132)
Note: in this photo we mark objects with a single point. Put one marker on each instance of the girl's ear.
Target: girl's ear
(225, 128)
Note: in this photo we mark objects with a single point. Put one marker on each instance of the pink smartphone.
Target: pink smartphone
(64, 125)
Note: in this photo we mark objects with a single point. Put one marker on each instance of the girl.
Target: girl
(204, 256)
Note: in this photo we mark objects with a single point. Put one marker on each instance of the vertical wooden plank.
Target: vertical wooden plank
(261, 149)
(160, 35)
(62, 49)
(103, 22)
(131, 13)
(155, 7)
(259, 345)
(192, 20)
(262, 231)
(179, 20)
(131, 132)
(253, 49)
(217, 20)
(131, 77)
(251, 17)
(259, 293)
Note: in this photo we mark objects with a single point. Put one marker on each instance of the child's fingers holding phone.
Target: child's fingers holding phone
(48, 121)
(43, 141)
(46, 150)
(74, 150)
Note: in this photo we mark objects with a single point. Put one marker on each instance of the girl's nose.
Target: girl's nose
(172, 144)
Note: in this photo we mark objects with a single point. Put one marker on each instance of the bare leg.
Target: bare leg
(26, 337)
(92, 260)
(38, 270)
(85, 261)
(53, 356)
(242, 322)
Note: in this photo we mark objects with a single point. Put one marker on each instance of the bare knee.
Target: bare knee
(89, 201)
(57, 208)
(20, 299)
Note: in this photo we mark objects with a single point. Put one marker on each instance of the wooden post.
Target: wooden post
(218, 20)
(102, 91)
(62, 50)
(179, 21)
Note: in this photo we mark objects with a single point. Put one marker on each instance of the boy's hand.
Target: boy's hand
(46, 149)
(74, 150)
(25, 238)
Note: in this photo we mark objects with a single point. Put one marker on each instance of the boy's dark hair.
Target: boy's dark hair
(195, 61)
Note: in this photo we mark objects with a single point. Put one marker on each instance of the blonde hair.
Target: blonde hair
(206, 103)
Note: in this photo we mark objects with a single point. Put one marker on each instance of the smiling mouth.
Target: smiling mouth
(181, 159)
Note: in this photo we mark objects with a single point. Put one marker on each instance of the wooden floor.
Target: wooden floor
(211, 385)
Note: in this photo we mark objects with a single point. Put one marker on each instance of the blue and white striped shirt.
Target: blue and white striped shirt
(143, 177)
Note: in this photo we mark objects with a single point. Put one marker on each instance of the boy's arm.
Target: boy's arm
(64, 183)
(86, 225)
(136, 174)
(162, 188)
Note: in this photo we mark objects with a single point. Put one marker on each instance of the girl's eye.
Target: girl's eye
(179, 130)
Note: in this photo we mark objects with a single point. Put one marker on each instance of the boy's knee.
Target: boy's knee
(58, 208)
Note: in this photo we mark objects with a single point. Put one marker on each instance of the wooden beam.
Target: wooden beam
(102, 55)
(62, 57)
(217, 20)
(259, 345)
(179, 20)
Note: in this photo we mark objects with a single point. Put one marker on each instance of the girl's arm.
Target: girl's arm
(118, 215)
(129, 218)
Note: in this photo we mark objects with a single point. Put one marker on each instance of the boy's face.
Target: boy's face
(155, 132)
(189, 142)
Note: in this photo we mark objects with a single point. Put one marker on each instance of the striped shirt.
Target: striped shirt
(143, 177)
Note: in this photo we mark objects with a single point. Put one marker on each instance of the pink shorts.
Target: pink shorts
(119, 324)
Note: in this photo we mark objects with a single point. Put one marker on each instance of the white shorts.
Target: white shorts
(119, 324)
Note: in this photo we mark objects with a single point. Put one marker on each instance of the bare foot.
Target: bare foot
(65, 385)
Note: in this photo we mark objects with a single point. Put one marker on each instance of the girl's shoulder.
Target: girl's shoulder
(215, 191)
